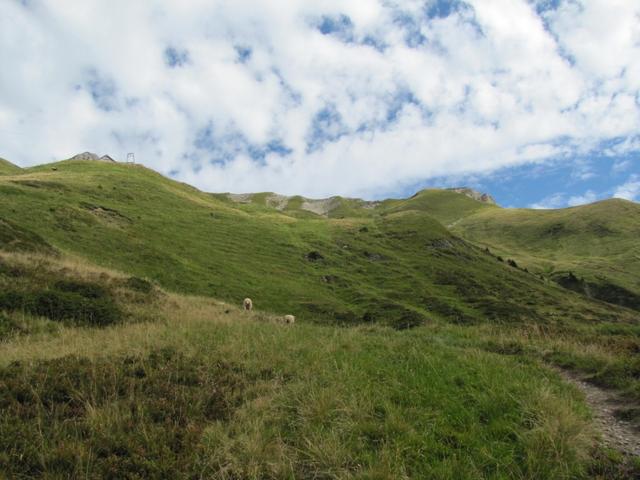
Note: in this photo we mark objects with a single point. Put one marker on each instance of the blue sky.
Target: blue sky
(534, 101)
(554, 184)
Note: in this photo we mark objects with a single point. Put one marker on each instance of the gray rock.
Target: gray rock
(471, 193)
(92, 157)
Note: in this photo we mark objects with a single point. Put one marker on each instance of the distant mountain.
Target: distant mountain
(471, 193)
(340, 260)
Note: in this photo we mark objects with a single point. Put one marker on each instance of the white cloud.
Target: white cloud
(561, 200)
(557, 200)
(629, 190)
(390, 98)
(588, 197)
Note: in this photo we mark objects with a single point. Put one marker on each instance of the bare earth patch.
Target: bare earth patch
(616, 434)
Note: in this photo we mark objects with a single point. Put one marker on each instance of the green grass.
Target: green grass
(248, 399)
(446, 206)
(416, 353)
(597, 242)
(135, 220)
(8, 168)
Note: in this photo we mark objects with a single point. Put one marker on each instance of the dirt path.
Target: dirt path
(616, 434)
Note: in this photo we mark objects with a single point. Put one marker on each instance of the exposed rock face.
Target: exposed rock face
(240, 197)
(471, 193)
(86, 156)
(279, 202)
(92, 157)
(320, 207)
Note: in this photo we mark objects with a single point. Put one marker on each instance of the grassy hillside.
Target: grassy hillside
(399, 266)
(447, 206)
(415, 354)
(597, 242)
(8, 168)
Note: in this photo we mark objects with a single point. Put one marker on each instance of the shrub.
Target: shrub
(84, 289)
(393, 315)
(139, 285)
(314, 256)
(63, 306)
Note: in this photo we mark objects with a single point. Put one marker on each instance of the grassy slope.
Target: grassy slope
(463, 396)
(205, 390)
(392, 264)
(8, 168)
(446, 206)
(597, 240)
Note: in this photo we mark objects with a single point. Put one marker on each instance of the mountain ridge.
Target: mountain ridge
(84, 204)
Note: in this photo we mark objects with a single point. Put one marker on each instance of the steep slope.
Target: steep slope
(180, 387)
(97, 362)
(598, 243)
(399, 266)
(8, 168)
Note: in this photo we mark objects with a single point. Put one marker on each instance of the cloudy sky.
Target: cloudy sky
(535, 101)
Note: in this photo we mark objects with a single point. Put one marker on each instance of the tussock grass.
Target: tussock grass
(321, 402)
(310, 401)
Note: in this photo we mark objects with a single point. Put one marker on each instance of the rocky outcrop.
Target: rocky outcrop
(320, 207)
(92, 157)
(471, 193)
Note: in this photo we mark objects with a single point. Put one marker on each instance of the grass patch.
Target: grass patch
(36, 286)
(230, 396)
(137, 417)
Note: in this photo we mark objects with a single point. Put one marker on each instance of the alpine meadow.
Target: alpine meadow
(435, 336)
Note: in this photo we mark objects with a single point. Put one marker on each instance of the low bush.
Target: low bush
(84, 289)
(139, 285)
(62, 305)
(393, 315)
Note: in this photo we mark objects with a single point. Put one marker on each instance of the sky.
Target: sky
(534, 101)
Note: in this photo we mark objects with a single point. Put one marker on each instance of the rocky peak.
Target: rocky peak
(92, 157)
(478, 196)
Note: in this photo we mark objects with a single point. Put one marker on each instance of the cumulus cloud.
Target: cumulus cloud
(557, 200)
(588, 197)
(320, 98)
(561, 200)
(630, 190)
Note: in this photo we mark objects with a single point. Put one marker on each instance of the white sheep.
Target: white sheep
(289, 319)
(247, 304)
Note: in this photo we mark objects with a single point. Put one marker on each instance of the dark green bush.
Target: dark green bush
(139, 285)
(63, 306)
(84, 289)
(393, 315)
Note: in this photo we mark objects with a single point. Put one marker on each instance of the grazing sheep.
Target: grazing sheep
(289, 319)
(247, 304)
